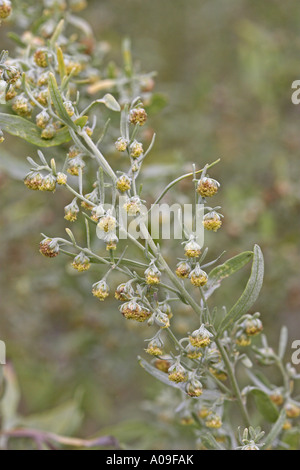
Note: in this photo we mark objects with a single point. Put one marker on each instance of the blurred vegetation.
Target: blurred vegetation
(226, 70)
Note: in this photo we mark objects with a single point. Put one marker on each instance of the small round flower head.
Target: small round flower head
(13, 74)
(292, 410)
(107, 223)
(71, 211)
(200, 338)
(81, 262)
(136, 149)
(74, 166)
(73, 151)
(207, 187)
(133, 311)
(154, 347)
(161, 319)
(10, 94)
(49, 248)
(21, 106)
(243, 340)
(42, 97)
(203, 412)
(43, 79)
(287, 425)
(33, 180)
(111, 241)
(61, 178)
(93, 197)
(97, 212)
(89, 131)
(186, 418)
(124, 292)
(276, 397)
(5, 9)
(177, 373)
(192, 352)
(250, 446)
(252, 326)
(138, 116)
(101, 290)
(165, 308)
(123, 183)
(198, 277)
(42, 119)
(49, 132)
(41, 58)
(133, 206)
(194, 388)
(69, 108)
(183, 270)
(219, 373)
(192, 249)
(152, 275)
(48, 183)
(121, 144)
(212, 221)
(163, 363)
(213, 421)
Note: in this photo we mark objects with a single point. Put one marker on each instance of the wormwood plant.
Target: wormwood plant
(45, 89)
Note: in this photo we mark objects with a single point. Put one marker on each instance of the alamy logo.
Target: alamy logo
(2, 353)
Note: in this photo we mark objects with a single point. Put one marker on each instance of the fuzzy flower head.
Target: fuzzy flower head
(192, 249)
(183, 270)
(121, 144)
(106, 224)
(161, 319)
(177, 373)
(207, 187)
(81, 262)
(33, 180)
(133, 206)
(137, 116)
(101, 290)
(253, 325)
(74, 165)
(48, 183)
(49, 247)
(123, 183)
(198, 277)
(132, 310)
(5, 9)
(155, 347)
(71, 211)
(124, 292)
(194, 388)
(136, 149)
(212, 221)
(42, 119)
(111, 241)
(200, 338)
(213, 421)
(152, 275)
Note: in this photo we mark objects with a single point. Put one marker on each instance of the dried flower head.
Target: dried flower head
(49, 247)
(138, 116)
(132, 310)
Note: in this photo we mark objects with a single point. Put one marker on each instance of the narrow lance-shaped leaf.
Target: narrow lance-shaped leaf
(225, 270)
(276, 430)
(58, 102)
(26, 130)
(250, 294)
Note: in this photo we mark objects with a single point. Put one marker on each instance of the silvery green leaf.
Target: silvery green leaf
(250, 294)
(283, 340)
(225, 270)
(275, 430)
(26, 130)
(110, 102)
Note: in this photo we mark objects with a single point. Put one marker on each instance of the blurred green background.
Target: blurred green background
(226, 69)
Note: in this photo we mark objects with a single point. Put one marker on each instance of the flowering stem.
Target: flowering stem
(235, 386)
